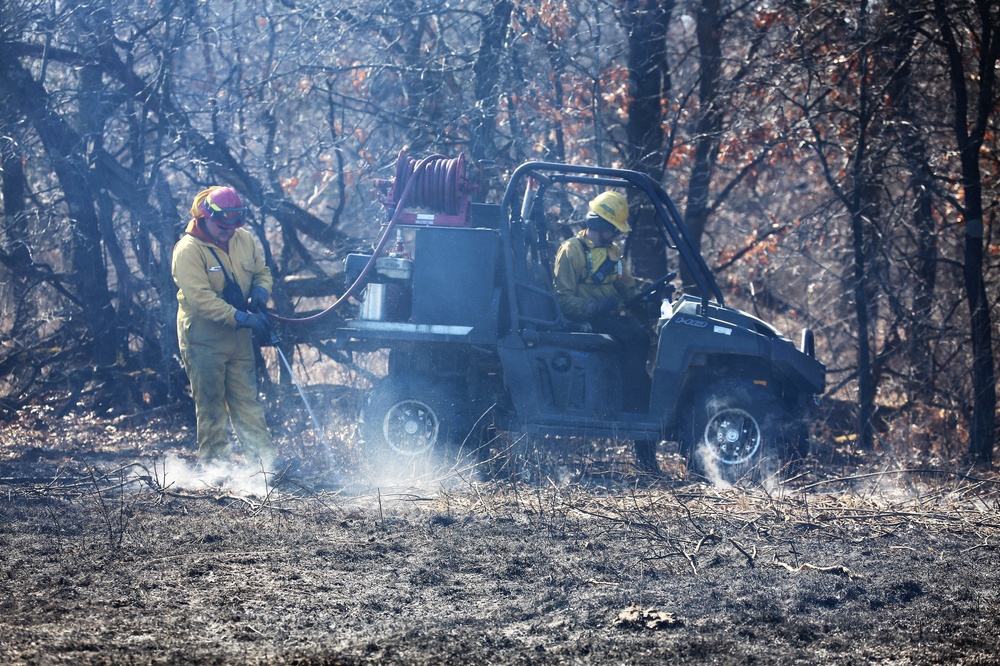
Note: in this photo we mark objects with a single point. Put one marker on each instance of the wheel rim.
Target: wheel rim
(732, 436)
(410, 427)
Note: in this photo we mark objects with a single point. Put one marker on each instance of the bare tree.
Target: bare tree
(974, 104)
(647, 25)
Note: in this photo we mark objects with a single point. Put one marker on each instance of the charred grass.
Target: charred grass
(107, 555)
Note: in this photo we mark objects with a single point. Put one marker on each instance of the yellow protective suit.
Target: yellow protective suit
(577, 286)
(574, 276)
(219, 358)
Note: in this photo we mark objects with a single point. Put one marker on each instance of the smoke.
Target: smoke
(240, 480)
(718, 474)
(710, 466)
(434, 469)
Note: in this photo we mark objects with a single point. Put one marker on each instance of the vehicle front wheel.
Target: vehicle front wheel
(737, 430)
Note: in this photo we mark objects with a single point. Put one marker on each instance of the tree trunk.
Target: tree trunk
(707, 128)
(487, 71)
(866, 382)
(647, 23)
(91, 119)
(913, 145)
(86, 256)
(969, 137)
(14, 189)
(14, 252)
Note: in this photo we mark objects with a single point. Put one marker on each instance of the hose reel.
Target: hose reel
(440, 194)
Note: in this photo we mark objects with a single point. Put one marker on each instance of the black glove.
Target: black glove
(605, 307)
(258, 299)
(258, 322)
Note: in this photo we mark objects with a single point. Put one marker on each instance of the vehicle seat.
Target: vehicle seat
(536, 300)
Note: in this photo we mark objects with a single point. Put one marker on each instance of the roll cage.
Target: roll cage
(525, 233)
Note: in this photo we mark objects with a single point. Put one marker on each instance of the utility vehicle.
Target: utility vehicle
(461, 295)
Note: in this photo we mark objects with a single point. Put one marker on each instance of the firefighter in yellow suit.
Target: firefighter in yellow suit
(593, 284)
(215, 325)
(592, 280)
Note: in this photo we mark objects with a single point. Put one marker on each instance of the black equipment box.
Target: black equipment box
(454, 275)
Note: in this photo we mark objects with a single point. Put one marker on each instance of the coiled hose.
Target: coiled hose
(431, 182)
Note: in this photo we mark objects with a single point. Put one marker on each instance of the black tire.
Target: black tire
(408, 419)
(737, 430)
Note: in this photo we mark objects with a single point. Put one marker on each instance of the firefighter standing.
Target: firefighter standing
(222, 283)
(593, 284)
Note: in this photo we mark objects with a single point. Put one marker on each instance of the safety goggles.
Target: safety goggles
(231, 218)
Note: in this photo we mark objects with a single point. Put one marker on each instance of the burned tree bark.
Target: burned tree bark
(647, 23)
(63, 146)
(969, 126)
(487, 72)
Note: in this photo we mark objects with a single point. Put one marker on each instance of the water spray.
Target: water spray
(276, 341)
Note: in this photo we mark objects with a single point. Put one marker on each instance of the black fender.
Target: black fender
(694, 349)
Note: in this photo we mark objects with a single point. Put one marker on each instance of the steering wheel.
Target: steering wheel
(650, 291)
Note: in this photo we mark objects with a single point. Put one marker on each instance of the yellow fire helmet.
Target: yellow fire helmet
(613, 207)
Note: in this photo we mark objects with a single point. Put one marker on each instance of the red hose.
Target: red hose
(440, 185)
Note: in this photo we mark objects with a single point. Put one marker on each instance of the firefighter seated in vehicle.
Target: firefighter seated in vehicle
(593, 284)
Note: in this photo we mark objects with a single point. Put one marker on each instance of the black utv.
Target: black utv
(461, 296)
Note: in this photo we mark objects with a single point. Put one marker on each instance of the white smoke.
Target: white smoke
(239, 480)
(761, 466)
(710, 465)
(707, 460)
(431, 470)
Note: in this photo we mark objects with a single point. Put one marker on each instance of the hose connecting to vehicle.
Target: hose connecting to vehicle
(435, 182)
(432, 181)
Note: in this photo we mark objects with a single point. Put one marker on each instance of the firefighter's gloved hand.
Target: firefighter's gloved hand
(258, 322)
(258, 299)
(603, 308)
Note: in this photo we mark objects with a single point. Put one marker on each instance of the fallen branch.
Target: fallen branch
(751, 557)
(985, 544)
(837, 569)
(594, 581)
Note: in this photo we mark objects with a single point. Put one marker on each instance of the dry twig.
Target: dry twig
(837, 569)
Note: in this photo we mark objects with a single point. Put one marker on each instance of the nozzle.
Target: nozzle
(399, 251)
(272, 334)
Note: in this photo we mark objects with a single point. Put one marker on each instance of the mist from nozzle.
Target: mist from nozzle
(240, 480)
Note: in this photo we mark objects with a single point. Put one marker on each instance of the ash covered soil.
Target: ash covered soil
(114, 550)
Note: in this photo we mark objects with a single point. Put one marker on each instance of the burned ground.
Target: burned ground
(109, 555)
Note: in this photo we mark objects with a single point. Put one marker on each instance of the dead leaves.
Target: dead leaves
(636, 617)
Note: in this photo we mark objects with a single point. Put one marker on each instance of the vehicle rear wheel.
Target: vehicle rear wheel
(408, 419)
(737, 430)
